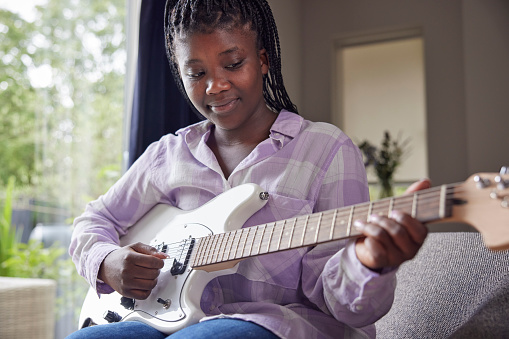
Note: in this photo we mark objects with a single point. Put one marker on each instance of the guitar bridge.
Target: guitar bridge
(180, 263)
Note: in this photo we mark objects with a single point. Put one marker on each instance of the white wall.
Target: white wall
(467, 69)
(441, 24)
(486, 50)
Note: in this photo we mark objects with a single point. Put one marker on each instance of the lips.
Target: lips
(224, 105)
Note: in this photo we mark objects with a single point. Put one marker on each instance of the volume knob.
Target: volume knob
(112, 317)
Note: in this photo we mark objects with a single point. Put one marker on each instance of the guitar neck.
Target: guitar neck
(309, 230)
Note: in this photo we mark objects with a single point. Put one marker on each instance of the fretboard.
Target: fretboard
(309, 230)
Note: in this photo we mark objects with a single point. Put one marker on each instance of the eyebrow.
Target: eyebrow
(226, 52)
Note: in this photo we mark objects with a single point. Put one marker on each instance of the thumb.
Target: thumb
(419, 185)
(148, 250)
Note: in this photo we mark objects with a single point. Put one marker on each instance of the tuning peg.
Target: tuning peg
(505, 202)
(504, 170)
(482, 182)
(501, 183)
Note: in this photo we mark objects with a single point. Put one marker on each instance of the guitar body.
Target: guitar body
(175, 229)
(208, 242)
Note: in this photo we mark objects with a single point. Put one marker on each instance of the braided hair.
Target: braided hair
(205, 16)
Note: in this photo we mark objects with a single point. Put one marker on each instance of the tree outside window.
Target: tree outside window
(61, 87)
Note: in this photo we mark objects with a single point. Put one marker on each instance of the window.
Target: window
(62, 69)
(381, 87)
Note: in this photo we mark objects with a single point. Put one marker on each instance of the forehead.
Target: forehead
(215, 42)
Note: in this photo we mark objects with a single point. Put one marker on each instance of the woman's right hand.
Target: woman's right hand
(132, 270)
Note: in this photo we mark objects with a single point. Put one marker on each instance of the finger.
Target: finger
(419, 185)
(139, 272)
(415, 229)
(374, 231)
(144, 259)
(378, 253)
(137, 294)
(149, 250)
(400, 239)
(140, 284)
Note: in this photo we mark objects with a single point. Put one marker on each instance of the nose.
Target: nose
(217, 83)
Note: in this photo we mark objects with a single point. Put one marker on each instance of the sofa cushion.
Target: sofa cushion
(454, 287)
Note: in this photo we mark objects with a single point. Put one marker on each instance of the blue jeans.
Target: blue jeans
(216, 328)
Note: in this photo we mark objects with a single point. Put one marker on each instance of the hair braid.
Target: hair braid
(189, 16)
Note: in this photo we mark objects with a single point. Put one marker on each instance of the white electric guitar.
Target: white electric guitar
(207, 242)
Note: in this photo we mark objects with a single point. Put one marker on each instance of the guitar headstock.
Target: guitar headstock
(483, 202)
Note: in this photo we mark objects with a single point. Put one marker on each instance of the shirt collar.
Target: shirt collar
(286, 127)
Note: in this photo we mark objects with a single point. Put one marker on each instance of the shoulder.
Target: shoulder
(295, 126)
(321, 132)
(189, 134)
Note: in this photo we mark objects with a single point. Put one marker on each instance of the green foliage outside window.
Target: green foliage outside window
(61, 88)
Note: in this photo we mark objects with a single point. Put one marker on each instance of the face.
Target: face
(222, 74)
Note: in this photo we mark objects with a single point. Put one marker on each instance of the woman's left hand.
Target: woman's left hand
(390, 241)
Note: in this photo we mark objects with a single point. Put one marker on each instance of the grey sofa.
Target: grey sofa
(454, 288)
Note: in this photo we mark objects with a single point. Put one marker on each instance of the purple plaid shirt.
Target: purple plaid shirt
(307, 167)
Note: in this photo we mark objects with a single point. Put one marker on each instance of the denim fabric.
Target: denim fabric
(216, 328)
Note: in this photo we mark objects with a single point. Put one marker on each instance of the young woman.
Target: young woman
(225, 56)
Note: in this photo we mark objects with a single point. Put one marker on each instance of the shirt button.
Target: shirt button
(359, 307)
(212, 307)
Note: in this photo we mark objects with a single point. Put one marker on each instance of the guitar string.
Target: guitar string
(252, 235)
(218, 249)
(408, 201)
(403, 203)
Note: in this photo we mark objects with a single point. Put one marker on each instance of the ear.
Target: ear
(264, 61)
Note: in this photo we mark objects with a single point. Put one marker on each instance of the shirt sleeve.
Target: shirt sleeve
(333, 278)
(98, 230)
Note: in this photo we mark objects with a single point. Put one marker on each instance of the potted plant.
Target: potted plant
(385, 161)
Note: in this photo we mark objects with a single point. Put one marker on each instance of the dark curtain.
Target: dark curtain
(158, 106)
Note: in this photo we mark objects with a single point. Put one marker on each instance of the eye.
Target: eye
(195, 75)
(235, 65)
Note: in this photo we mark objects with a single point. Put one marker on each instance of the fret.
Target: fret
(217, 252)
(270, 237)
(204, 250)
(291, 233)
(234, 243)
(213, 249)
(304, 230)
(250, 242)
(243, 243)
(441, 206)
(281, 236)
(196, 253)
(225, 251)
(261, 238)
(236, 240)
(333, 225)
(318, 227)
(370, 209)
(349, 227)
(414, 206)
(219, 246)
(207, 250)
(391, 206)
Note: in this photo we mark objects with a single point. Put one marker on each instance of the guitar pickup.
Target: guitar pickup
(179, 267)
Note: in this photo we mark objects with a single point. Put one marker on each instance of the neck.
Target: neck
(252, 132)
(309, 230)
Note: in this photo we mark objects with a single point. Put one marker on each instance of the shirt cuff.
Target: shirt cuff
(99, 252)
